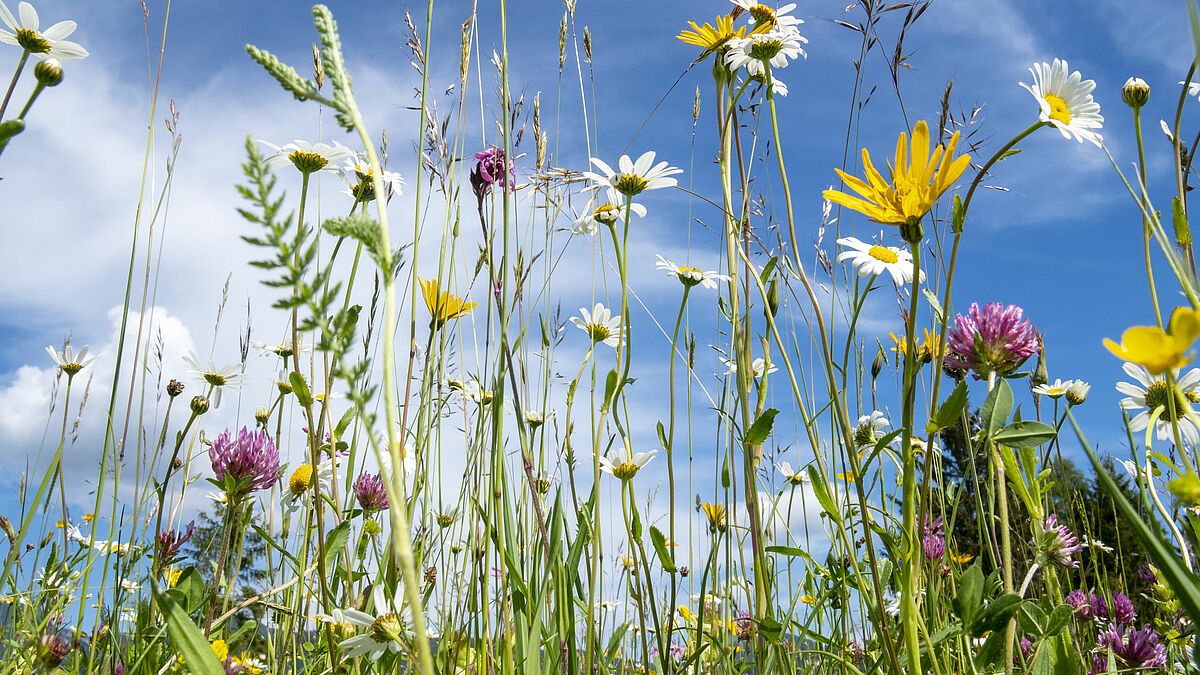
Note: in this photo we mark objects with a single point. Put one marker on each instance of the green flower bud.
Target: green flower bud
(199, 405)
(1135, 93)
(48, 73)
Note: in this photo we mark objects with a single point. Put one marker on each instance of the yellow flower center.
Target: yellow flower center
(629, 183)
(607, 213)
(1058, 109)
(307, 162)
(32, 41)
(71, 368)
(626, 471)
(763, 14)
(215, 379)
(599, 332)
(301, 480)
(765, 50)
(1157, 397)
(883, 253)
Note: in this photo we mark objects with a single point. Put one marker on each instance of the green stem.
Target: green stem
(13, 84)
(909, 617)
(1137, 127)
(32, 97)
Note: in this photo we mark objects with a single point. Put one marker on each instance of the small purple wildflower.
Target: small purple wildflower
(170, 541)
(371, 494)
(248, 464)
(1099, 606)
(120, 669)
(1026, 648)
(994, 339)
(1135, 648)
(52, 650)
(1147, 574)
(1058, 543)
(933, 539)
(1079, 601)
(491, 168)
(1123, 610)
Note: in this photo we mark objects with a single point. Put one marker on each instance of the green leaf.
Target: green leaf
(938, 312)
(365, 230)
(335, 541)
(969, 599)
(950, 410)
(1180, 222)
(186, 637)
(959, 216)
(191, 586)
(1031, 618)
(822, 494)
(8, 130)
(992, 647)
(1058, 620)
(997, 614)
(996, 408)
(761, 428)
(1186, 488)
(1025, 435)
(300, 388)
(660, 545)
(610, 386)
(662, 437)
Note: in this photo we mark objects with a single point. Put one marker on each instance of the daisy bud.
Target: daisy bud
(1078, 392)
(261, 414)
(1135, 93)
(877, 364)
(199, 405)
(48, 73)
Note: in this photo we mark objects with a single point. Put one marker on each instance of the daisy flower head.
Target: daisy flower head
(1055, 390)
(993, 339)
(308, 157)
(918, 179)
(790, 475)
(870, 428)
(1153, 398)
(633, 177)
(302, 480)
(70, 362)
(872, 259)
(778, 87)
(356, 176)
(26, 34)
(284, 349)
(219, 378)
(690, 276)
(608, 212)
(758, 366)
(442, 306)
(763, 18)
(1066, 101)
(390, 627)
(711, 38)
(599, 324)
(776, 47)
(624, 464)
(1077, 393)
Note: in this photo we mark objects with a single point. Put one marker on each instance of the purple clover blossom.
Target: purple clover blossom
(1079, 601)
(992, 339)
(371, 494)
(1123, 610)
(170, 541)
(491, 168)
(1026, 649)
(1099, 606)
(1058, 542)
(1135, 648)
(251, 462)
(1147, 574)
(933, 538)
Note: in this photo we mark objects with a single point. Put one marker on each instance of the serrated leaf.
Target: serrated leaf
(660, 546)
(761, 428)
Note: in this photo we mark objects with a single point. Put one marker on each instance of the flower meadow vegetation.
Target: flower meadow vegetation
(419, 489)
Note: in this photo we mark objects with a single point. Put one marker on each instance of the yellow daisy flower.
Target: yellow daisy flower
(710, 37)
(918, 180)
(444, 306)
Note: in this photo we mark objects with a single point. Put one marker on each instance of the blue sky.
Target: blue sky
(1063, 241)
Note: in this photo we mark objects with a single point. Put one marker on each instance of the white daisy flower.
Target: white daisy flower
(791, 476)
(1066, 101)
(1095, 543)
(284, 349)
(608, 212)
(1193, 90)
(1054, 390)
(633, 177)
(872, 259)
(766, 17)
(1150, 394)
(389, 628)
(217, 497)
(777, 46)
(757, 366)
(690, 276)
(777, 85)
(299, 488)
(50, 43)
(891, 603)
(308, 157)
(224, 377)
(600, 324)
(474, 391)
(870, 428)
(356, 176)
(68, 361)
(619, 462)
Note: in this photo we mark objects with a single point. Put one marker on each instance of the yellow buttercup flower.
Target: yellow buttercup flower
(808, 599)
(1155, 349)
(918, 180)
(711, 37)
(221, 650)
(444, 306)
